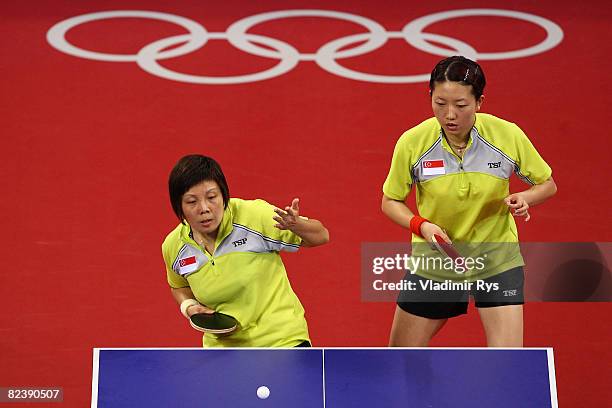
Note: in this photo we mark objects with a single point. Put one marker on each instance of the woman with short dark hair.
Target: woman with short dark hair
(224, 257)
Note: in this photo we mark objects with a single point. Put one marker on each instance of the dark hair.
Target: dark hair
(189, 171)
(459, 69)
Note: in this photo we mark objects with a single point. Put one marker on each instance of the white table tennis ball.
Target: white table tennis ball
(263, 392)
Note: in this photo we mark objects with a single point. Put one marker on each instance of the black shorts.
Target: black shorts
(503, 289)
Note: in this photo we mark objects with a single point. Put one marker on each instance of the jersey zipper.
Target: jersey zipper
(462, 183)
(204, 251)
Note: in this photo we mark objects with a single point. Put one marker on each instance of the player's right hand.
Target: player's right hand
(428, 230)
(199, 308)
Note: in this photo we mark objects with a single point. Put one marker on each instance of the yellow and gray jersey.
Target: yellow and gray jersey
(244, 277)
(481, 156)
(241, 239)
(465, 195)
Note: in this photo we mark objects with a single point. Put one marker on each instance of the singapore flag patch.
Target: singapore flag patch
(187, 265)
(433, 167)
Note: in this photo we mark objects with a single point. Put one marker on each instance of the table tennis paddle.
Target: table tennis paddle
(446, 249)
(215, 323)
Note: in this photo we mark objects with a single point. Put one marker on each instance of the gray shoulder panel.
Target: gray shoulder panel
(481, 157)
(243, 239)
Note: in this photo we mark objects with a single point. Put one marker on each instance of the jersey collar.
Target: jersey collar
(471, 138)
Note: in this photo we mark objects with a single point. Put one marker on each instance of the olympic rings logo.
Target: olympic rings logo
(326, 57)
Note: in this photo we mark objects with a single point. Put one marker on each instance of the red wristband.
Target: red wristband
(415, 225)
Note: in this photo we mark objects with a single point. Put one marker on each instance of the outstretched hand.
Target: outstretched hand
(288, 218)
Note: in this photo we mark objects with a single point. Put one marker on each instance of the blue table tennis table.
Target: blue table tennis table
(324, 377)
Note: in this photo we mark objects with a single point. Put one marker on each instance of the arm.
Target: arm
(399, 213)
(312, 232)
(182, 294)
(520, 202)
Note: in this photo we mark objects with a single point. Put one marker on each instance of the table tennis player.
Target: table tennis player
(224, 256)
(460, 162)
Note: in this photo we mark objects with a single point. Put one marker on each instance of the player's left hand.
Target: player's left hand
(518, 206)
(290, 217)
